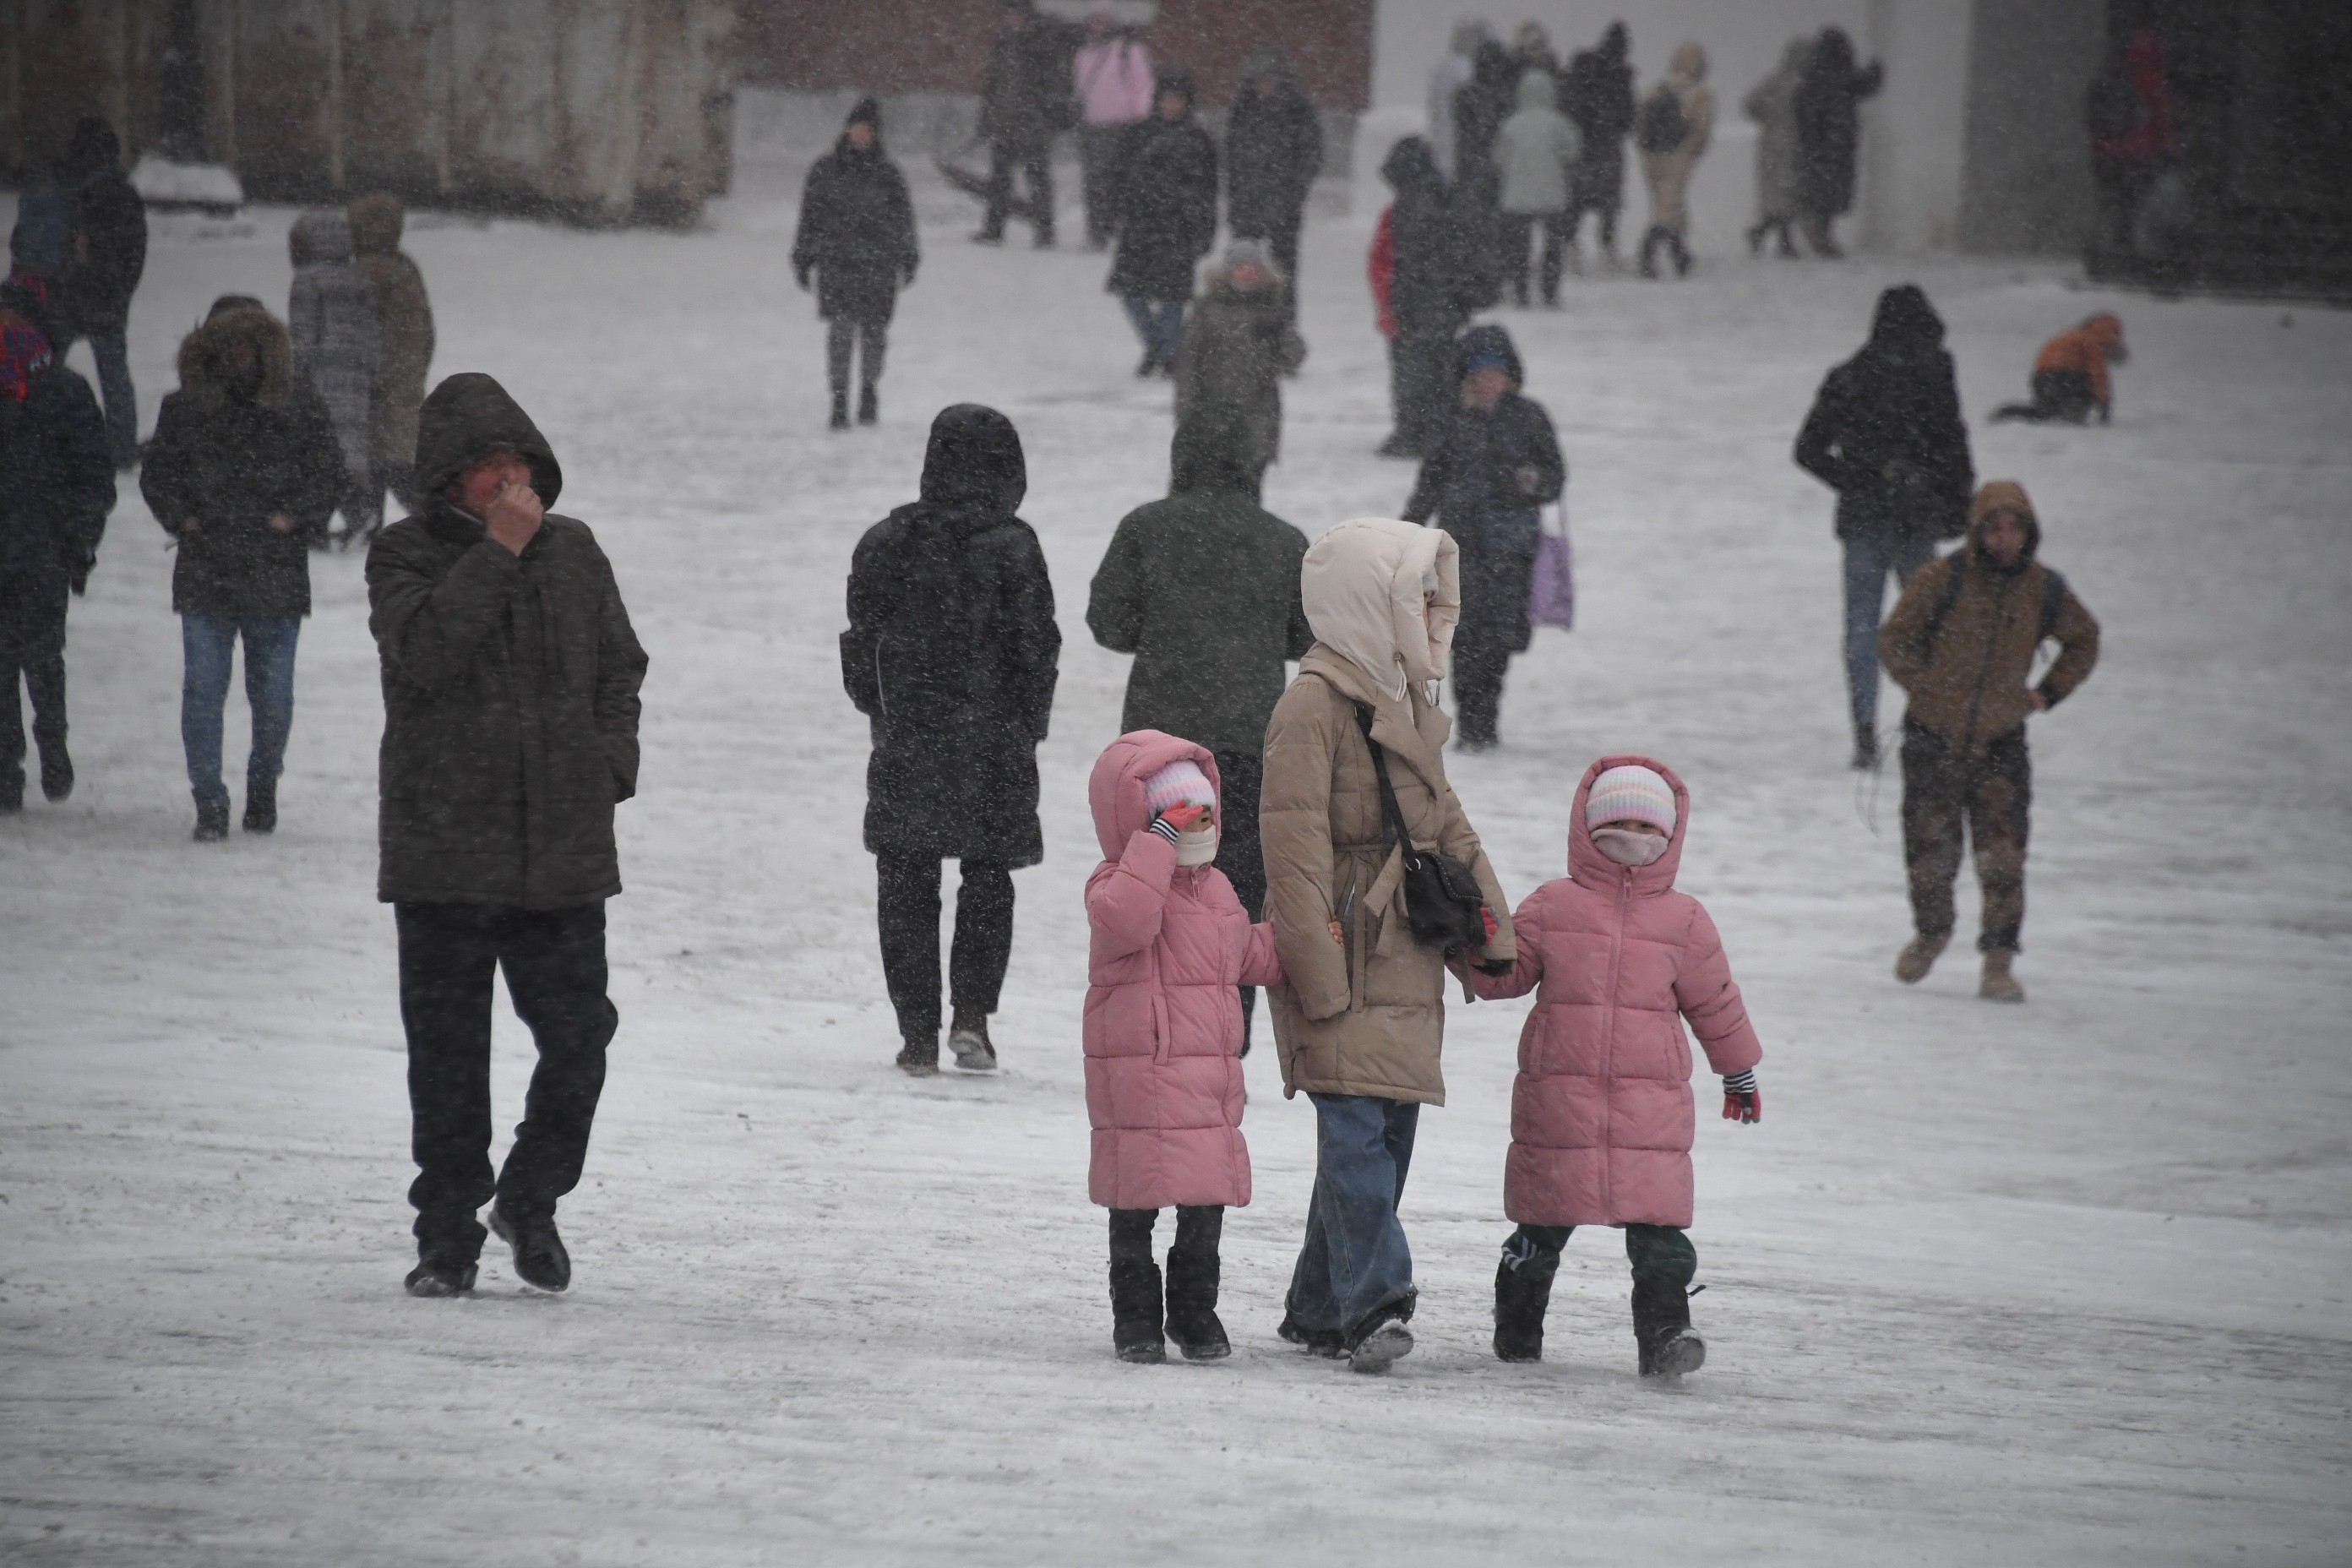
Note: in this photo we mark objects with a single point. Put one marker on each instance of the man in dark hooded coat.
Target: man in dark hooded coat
(1167, 219)
(1274, 151)
(857, 235)
(1597, 92)
(1829, 135)
(1886, 433)
(1434, 282)
(951, 654)
(510, 677)
(110, 241)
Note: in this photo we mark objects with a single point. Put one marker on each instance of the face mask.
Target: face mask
(1197, 848)
(1629, 848)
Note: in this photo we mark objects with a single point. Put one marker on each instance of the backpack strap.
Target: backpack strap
(1953, 583)
(2053, 599)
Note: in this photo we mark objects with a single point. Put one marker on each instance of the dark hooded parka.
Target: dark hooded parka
(951, 654)
(110, 232)
(856, 228)
(1274, 150)
(1475, 484)
(1436, 282)
(1167, 200)
(243, 439)
(1828, 124)
(510, 683)
(1597, 92)
(57, 484)
(1885, 431)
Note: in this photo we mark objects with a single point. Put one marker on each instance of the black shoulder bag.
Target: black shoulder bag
(1442, 904)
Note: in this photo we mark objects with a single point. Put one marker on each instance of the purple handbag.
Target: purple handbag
(1552, 594)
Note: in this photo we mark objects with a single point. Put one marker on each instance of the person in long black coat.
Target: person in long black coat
(109, 237)
(1167, 219)
(1274, 151)
(56, 485)
(1829, 134)
(1493, 469)
(1434, 282)
(1025, 101)
(951, 654)
(1886, 433)
(857, 235)
(1480, 106)
(1597, 92)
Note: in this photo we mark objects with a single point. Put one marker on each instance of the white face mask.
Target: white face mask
(1627, 847)
(1197, 848)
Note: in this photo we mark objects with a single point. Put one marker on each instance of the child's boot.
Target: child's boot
(1192, 1321)
(1519, 1306)
(1662, 1330)
(1998, 984)
(1135, 1330)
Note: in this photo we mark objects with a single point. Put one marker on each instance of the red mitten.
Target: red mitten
(1182, 818)
(1493, 925)
(1747, 1107)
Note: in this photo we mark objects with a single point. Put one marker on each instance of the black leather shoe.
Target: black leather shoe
(538, 1254)
(440, 1277)
(260, 808)
(57, 773)
(212, 824)
(1325, 1342)
(920, 1056)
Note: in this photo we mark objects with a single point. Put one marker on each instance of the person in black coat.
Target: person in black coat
(1167, 219)
(1493, 469)
(951, 654)
(1274, 151)
(1435, 283)
(56, 485)
(1886, 433)
(857, 234)
(1025, 101)
(1597, 92)
(110, 240)
(243, 472)
(1480, 106)
(1829, 132)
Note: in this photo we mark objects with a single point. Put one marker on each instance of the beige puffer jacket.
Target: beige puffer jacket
(1368, 1017)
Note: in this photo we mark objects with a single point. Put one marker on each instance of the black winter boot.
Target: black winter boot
(1382, 1339)
(1519, 1306)
(1680, 253)
(1192, 1320)
(1649, 256)
(538, 1254)
(56, 772)
(869, 408)
(260, 807)
(1135, 1327)
(919, 1055)
(968, 1038)
(211, 823)
(1662, 1330)
(840, 420)
(440, 1277)
(1328, 1343)
(12, 792)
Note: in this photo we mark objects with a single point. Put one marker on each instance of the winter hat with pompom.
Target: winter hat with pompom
(1632, 793)
(1178, 784)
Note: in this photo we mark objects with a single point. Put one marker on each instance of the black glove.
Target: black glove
(79, 564)
(801, 276)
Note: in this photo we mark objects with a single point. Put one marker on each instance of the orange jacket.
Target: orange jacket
(2085, 349)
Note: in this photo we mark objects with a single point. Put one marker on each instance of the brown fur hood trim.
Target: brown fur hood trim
(204, 373)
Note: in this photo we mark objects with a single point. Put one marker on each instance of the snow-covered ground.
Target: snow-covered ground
(2063, 1283)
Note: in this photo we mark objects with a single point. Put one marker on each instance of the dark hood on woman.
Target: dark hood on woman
(1905, 325)
(975, 461)
(1410, 165)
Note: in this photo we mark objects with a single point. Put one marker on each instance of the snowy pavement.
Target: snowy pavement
(2063, 1283)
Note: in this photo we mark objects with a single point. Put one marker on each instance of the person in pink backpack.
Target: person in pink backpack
(1600, 1114)
(1170, 945)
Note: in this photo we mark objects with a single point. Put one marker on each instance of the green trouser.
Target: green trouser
(1656, 1252)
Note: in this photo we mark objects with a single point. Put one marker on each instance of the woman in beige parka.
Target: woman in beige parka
(1360, 1021)
(1666, 166)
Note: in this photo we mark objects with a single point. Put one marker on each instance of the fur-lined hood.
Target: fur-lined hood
(204, 353)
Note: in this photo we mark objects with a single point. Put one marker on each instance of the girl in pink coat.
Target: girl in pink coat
(1171, 947)
(1600, 1114)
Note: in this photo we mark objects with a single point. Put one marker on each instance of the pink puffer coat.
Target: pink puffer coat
(1164, 1022)
(1600, 1114)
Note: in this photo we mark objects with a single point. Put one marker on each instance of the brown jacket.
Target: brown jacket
(1369, 1017)
(1963, 653)
(404, 323)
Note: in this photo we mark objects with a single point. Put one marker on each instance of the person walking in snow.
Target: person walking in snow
(1274, 151)
(1829, 134)
(857, 235)
(1113, 78)
(1677, 122)
(1424, 285)
(339, 350)
(1772, 105)
(1961, 644)
(1602, 1124)
(1535, 151)
(403, 317)
(1493, 469)
(1596, 92)
(243, 472)
(1164, 1036)
(510, 677)
(1167, 220)
(2070, 375)
(1447, 78)
(1203, 589)
(1242, 339)
(951, 654)
(1359, 1018)
(1479, 111)
(57, 486)
(109, 254)
(1025, 101)
(1886, 433)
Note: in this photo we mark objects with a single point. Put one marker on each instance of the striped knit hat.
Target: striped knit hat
(1177, 785)
(1632, 792)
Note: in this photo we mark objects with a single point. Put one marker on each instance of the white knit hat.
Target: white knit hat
(1178, 784)
(1633, 792)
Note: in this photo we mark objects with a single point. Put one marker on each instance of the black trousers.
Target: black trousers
(1518, 231)
(33, 649)
(1478, 671)
(1420, 376)
(1193, 1264)
(843, 334)
(1240, 854)
(1036, 165)
(554, 964)
(907, 903)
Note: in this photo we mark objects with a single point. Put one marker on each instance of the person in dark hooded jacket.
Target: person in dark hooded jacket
(56, 485)
(1274, 151)
(1433, 284)
(951, 654)
(857, 235)
(1886, 433)
(510, 675)
(1829, 135)
(404, 316)
(242, 471)
(110, 243)
(1597, 92)
(1167, 219)
(1486, 482)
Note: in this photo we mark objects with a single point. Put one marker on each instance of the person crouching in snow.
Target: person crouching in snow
(1170, 943)
(1600, 1114)
(2070, 375)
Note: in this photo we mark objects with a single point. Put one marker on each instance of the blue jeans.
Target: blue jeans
(1867, 563)
(1159, 323)
(113, 356)
(207, 642)
(1354, 1260)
